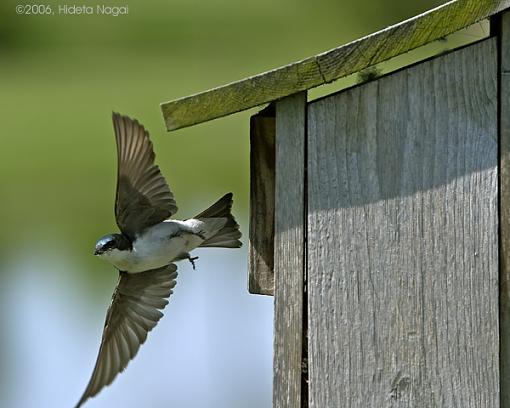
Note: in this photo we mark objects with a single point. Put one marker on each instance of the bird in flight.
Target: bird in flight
(145, 250)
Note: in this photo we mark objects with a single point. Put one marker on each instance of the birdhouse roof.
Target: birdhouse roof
(330, 65)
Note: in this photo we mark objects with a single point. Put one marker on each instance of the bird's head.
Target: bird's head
(107, 244)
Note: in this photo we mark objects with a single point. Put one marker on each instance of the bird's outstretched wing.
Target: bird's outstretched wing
(134, 311)
(143, 196)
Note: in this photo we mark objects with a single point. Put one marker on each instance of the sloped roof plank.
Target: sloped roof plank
(330, 65)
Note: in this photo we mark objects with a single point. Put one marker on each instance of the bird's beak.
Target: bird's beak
(96, 252)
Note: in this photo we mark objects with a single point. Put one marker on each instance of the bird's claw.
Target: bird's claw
(192, 261)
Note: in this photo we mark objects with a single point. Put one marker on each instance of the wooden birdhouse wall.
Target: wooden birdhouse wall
(402, 243)
(384, 204)
(380, 216)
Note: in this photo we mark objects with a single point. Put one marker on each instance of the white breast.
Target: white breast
(156, 247)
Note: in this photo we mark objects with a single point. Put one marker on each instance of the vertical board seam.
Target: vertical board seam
(496, 28)
(304, 357)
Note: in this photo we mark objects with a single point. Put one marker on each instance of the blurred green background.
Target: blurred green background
(60, 78)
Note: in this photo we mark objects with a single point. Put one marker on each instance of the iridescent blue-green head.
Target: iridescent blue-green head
(110, 242)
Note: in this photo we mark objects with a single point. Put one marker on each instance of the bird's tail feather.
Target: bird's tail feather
(228, 236)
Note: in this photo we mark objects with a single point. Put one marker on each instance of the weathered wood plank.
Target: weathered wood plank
(262, 199)
(330, 65)
(402, 238)
(504, 134)
(289, 250)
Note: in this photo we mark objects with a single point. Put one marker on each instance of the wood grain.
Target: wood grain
(402, 238)
(262, 200)
(330, 65)
(289, 250)
(504, 134)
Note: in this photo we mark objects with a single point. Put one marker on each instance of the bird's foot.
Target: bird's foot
(192, 261)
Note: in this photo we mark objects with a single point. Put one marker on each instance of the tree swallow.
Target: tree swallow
(146, 248)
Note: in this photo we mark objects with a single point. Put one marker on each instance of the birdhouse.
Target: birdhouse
(380, 216)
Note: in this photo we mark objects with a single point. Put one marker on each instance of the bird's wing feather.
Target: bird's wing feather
(134, 311)
(143, 196)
